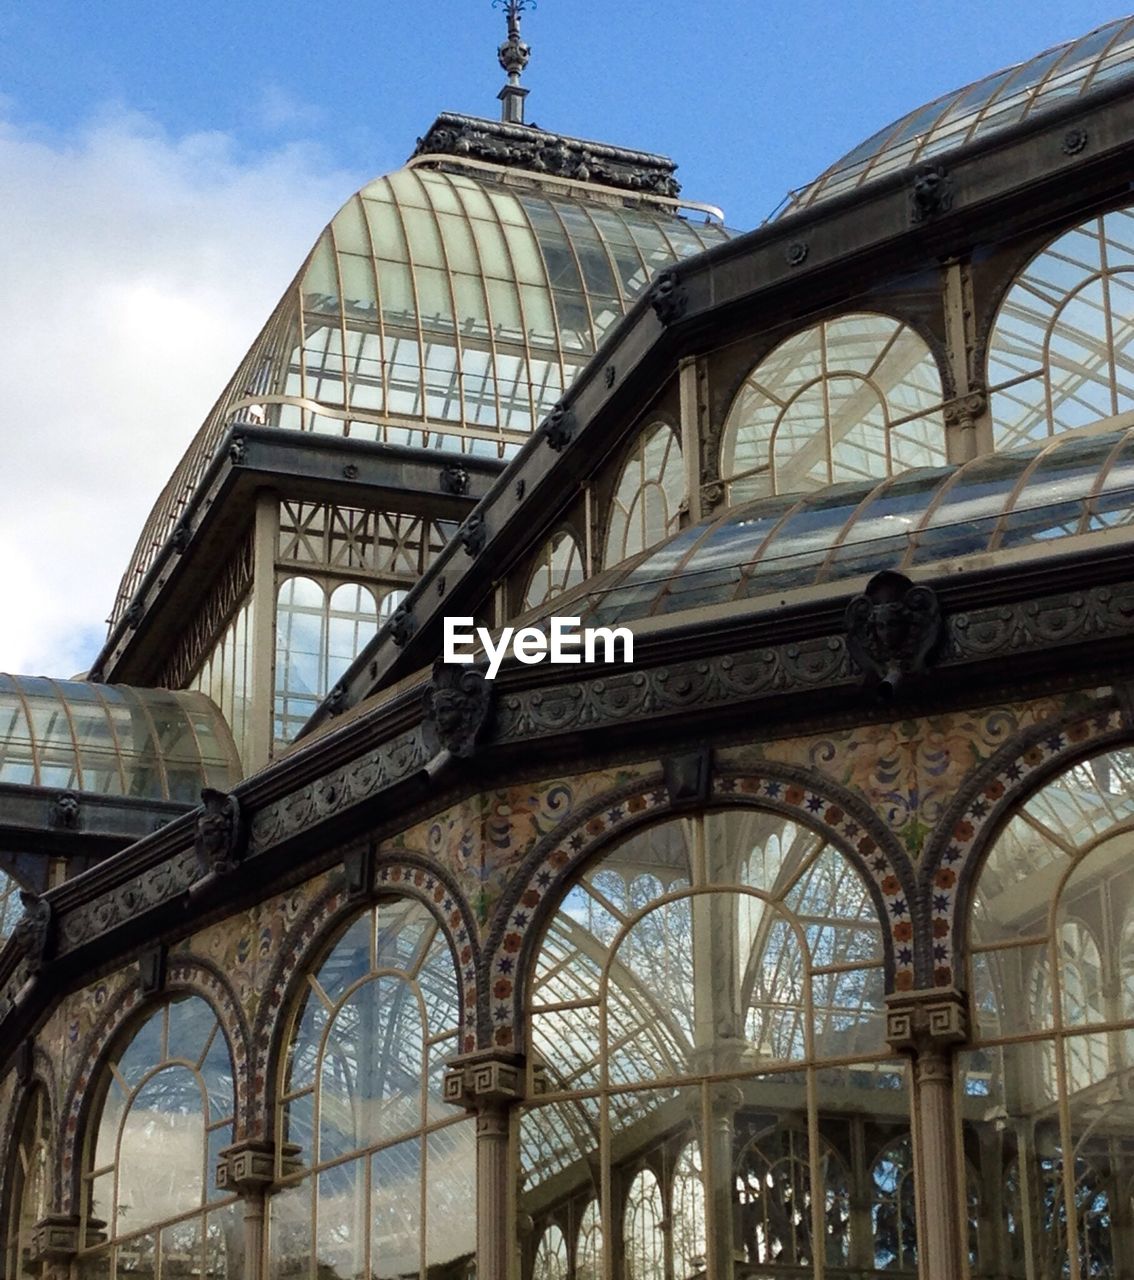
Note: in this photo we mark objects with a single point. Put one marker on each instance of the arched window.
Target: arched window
(558, 569)
(708, 992)
(642, 1239)
(551, 1256)
(773, 1174)
(388, 604)
(687, 1210)
(387, 1165)
(648, 498)
(165, 1113)
(588, 1249)
(320, 630)
(27, 1186)
(892, 1208)
(854, 398)
(1050, 942)
(1061, 352)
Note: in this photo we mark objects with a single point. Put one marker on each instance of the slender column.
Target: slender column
(690, 435)
(249, 1169)
(927, 1025)
(262, 630)
(490, 1084)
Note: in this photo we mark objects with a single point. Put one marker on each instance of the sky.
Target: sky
(165, 168)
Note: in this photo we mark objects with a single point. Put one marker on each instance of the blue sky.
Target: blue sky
(164, 167)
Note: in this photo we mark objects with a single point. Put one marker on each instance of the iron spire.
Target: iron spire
(514, 55)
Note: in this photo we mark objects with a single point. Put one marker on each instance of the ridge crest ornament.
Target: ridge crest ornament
(458, 706)
(892, 629)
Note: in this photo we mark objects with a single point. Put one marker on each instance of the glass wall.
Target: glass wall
(440, 311)
(226, 677)
(10, 906)
(113, 740)
(28, 1187)
(558, 569)
(648, 499)
(1062, 351)
(387, 1187)
(853, 398)
(149, 1185)
(711, 1093)
(1047, 1094)
(320, 629)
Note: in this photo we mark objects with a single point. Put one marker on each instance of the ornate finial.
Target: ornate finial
(514, 55)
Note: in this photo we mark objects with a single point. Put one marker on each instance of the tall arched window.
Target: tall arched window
(320, 630)
(648, 498)
(854, 398)
(642, 1240)
(558, 569)
(892, 1208)
(773, 1175)
(27, 1187)
(1053, 1070)
(1061, 353)
(588, 1247)
(165, 1113)
(387, 1166)
(551, 1255)
(705, 1032)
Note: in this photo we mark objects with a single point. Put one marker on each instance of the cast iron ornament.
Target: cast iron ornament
(65, 811)
(931, 194)
(218, 843)
(32, 934)
(402, 625)
(892, 629)
(458, 705)
(455, 479)
(559, 427)
(668, 297)
(473, 534)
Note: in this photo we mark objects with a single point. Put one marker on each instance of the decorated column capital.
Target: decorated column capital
(249, 1167)
(58, 1237)
(926, 1021)
(484, 1080)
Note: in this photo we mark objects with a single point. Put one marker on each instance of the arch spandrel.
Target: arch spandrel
(981, 809)
(187, 975)
(833, 812)
(396, 873)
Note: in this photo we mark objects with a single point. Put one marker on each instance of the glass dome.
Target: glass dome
(1072, 70)
(1025, 498)
(438, 310)
(152, 744)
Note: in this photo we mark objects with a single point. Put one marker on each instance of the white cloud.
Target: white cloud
(137, 269)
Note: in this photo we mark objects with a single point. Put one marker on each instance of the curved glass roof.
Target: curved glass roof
(1073, 70)
(438, 310)
(154, 744)
(1028, 497)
